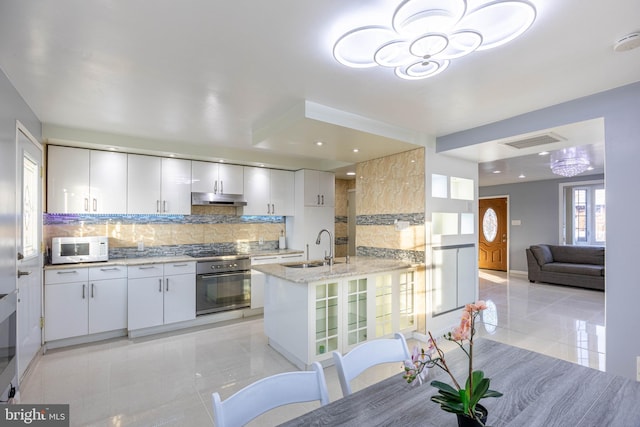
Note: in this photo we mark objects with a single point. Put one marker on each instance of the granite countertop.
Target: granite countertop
(163, 259)
(356, 266)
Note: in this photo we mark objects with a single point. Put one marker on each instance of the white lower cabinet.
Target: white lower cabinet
(82, 301)
(160, 294)
(257, 278)
(306, 322)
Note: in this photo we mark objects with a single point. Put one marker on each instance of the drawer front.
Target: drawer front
(259, 260)
(145, 270)
(107, 272)
(292, 257)
(174, 268)
(66, 275)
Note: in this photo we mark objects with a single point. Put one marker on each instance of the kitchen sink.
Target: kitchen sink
(307, 264)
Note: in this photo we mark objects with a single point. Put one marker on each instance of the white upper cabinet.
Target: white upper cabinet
(158, 185)
(217, 178)
(319, 188)
(86, 181)
(108, 182)
(268, 191)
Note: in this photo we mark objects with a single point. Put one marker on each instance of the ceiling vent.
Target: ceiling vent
(535, 141)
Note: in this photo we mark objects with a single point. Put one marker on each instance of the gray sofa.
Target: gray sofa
(581, 266)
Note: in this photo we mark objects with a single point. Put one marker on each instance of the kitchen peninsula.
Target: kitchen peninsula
(311, 310)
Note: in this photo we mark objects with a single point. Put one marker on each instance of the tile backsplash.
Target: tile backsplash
(207, 228)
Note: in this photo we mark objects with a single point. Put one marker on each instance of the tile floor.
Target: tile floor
(168, 380)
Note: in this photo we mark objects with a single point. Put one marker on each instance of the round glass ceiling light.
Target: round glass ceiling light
(425, 34)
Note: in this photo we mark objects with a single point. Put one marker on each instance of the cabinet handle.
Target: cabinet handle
(159, 285)
(67, 272)
(265, 258)
(215, 187)
(164, 206)
(268, 209)
(84, 287)
(93, 286)
(158, 206)
(146, 268)
(86, 204)
(221, 187)
(167, 282)
(110, 269)
(318, 199)
(322, 199)
(95, 205)
(180, 265)
(273, 209)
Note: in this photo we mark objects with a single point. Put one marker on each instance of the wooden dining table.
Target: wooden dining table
(538, 391)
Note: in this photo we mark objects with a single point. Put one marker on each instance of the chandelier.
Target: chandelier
(425, 35)
(569, 162)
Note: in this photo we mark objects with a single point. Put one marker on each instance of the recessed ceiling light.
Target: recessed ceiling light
(261, 165)
(543, 153)
(497, 172)
(319, 143)
(521, 176)
(355, 150)
(172, 155)
(351, 173)
(590, 168)
(221, 160)
(112, 149)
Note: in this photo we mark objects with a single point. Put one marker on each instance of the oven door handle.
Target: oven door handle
(237, 273)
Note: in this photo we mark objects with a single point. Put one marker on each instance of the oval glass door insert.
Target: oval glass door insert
(490, 225)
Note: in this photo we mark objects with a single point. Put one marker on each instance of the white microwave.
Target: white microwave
(71, 250)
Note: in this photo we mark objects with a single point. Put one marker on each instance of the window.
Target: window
(585, 214)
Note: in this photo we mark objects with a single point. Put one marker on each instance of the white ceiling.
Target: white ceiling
(211, 79)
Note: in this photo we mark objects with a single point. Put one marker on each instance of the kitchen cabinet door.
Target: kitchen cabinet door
(282, 191)
(146, 302)
(231, 179)
(67, 180)
(143, 184)
(179, 298)
(176, 186)
(108, 182)
(257, 188)
(66, 310)
(208, 177)
(319, 188)
(107, 305)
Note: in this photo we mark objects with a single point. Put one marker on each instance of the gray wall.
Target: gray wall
(620, 108)
(535, 204)
(12, 108)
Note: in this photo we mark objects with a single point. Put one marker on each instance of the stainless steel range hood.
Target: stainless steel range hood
(213, 199)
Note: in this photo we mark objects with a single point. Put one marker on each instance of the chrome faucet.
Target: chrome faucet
(330, 257)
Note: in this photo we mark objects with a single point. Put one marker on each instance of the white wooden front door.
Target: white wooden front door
(28, 246)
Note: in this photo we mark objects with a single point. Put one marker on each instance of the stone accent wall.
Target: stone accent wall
(391, 189)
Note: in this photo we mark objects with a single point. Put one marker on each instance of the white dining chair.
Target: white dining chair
(269, 393)
(368, 354)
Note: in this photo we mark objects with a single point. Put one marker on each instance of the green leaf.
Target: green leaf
(479, 389)
(444, 387)
(492, 393)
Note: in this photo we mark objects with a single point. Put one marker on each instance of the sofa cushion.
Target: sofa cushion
(569, 268)
(578, 254)
(542, 253)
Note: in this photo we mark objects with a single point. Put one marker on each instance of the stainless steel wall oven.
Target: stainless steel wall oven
(223, 284)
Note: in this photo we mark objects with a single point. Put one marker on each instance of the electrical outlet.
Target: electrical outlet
(638, 368)
(141, 245)
(261, 240)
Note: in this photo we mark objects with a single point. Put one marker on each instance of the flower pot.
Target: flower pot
(466, 421)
